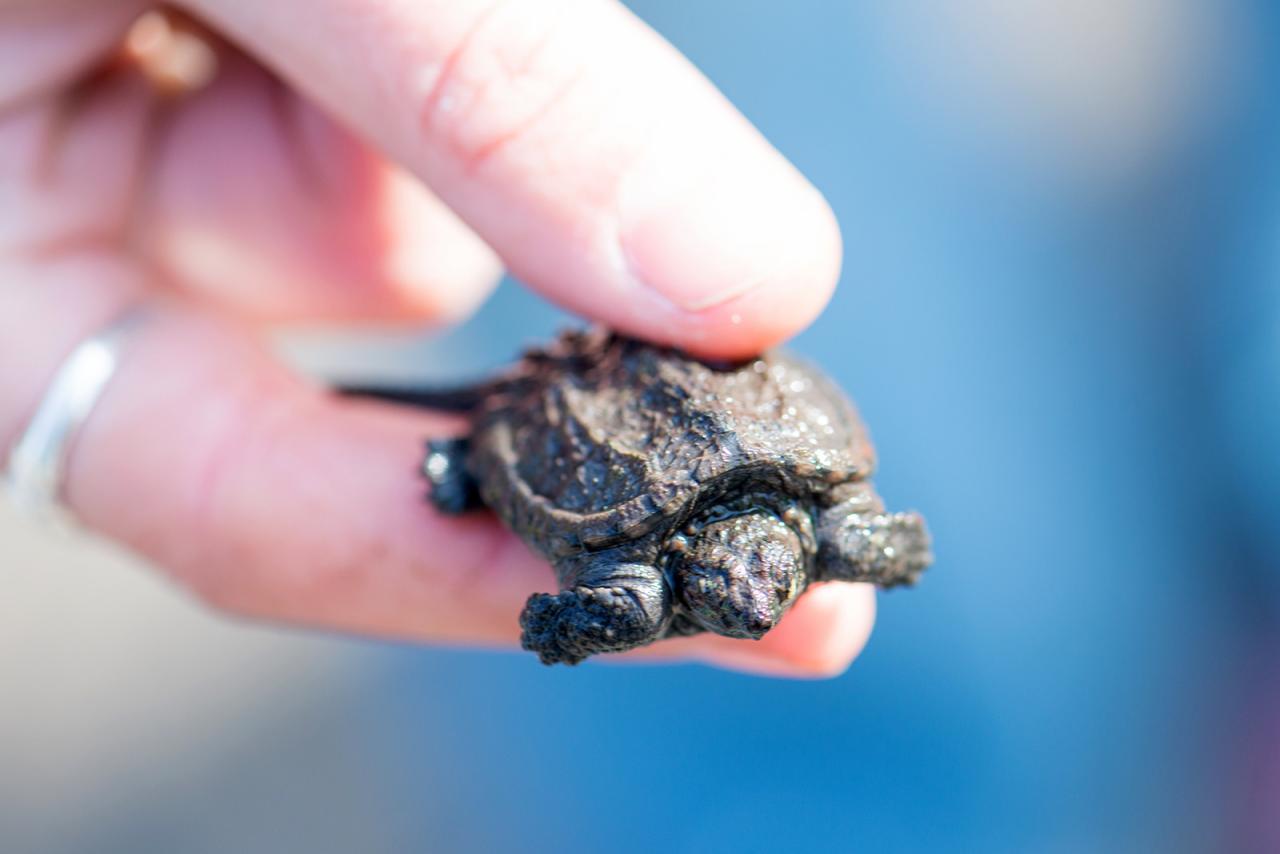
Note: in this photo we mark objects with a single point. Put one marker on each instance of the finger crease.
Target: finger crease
(448, 68)
(476, 159)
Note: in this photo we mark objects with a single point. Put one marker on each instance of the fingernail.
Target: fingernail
(703, 237)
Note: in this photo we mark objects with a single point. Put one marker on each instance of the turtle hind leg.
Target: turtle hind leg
(453, 489)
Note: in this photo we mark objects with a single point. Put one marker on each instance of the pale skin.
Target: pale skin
(564, 141)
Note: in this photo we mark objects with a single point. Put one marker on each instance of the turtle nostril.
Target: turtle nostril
(758, 625)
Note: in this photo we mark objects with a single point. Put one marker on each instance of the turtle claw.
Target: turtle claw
(549, 630)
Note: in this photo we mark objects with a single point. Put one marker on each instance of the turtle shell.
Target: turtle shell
(602, 439)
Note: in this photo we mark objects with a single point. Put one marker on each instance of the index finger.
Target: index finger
(603, 168)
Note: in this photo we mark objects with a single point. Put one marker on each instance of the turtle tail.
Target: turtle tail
(461, 399)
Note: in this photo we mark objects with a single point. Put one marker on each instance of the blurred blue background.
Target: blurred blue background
(1059, 315)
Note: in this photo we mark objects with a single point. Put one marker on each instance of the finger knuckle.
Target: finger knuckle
(495, 89)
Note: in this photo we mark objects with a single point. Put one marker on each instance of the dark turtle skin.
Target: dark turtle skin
(672, 496)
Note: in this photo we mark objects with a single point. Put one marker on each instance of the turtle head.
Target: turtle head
(736, 576)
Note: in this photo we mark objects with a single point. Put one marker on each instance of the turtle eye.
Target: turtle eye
(737, 576)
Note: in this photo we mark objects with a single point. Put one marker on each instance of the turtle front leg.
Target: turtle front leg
(610, 606)
(859, 541)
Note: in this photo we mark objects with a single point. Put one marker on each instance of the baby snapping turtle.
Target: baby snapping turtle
(671, 495)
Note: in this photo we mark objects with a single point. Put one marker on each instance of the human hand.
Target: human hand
(597, 164)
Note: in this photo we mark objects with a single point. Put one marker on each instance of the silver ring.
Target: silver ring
(34, 478)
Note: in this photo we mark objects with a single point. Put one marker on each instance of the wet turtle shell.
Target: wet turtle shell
(598, 439)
